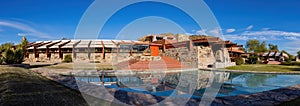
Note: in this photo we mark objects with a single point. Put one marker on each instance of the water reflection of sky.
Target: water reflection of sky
(253, 83)
(237, 83)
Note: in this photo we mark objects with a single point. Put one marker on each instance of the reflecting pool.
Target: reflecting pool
(193, 83)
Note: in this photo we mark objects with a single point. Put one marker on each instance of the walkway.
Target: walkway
(163, 64)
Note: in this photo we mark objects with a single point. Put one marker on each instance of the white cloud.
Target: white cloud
(265, 29)
(264, 35)
(288, 41)
(215, 32)
(234, 37)
(249, 27)
(189, 33)
(201, 32)
(212, 32)
(271, 33)
(291, 47)
(230, 30)
(28, 31)
(291, 38)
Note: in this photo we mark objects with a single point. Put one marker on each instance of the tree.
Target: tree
(252, 59)
(14, 56)
(291, 57)
(22, 48)
(273, 47)
(6, 46)
(252, 45)
(239, 61)
(255, 46)
(262, 48)
(23, 44)
(298, 54)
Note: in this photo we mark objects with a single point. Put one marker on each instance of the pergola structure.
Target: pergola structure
(86, 46)
(213, 41)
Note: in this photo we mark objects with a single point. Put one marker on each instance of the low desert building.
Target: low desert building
(274, 57)
(100, 51)
(207, 52)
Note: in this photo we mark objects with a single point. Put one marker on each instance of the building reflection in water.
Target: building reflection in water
(163, 84)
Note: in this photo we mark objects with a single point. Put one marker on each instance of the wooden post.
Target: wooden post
(59, 52)
(89, 50)
(131, 49)
(35, 52)
(103, 50)
(59, 48)
(47, 48)
(74, 53)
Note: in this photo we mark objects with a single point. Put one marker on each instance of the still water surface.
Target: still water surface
(195, 83)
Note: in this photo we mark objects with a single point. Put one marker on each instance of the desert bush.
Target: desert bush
(291, 63)
(285, 63)
(252, 59)
(1, 60)
(19, 56)
(13, 57)
(8, 56)
(68, 59)
(239, 61)
(295, 63)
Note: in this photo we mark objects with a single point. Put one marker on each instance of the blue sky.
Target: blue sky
(274, 21)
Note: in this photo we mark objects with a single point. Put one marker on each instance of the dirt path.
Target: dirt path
(22, 87)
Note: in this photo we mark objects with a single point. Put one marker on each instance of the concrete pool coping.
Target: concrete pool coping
(272, 97)
(245, 71)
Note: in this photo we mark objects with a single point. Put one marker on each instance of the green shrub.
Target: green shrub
(291, 63)
(8, 56)
(295, 63)
(252, 59)
(1, 60)
(239, 61)
(285, 63)
(19, 56)
(68, 59)
(13, 57)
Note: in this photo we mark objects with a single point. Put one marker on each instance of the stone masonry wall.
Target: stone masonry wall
(30, 58)
(94, 57)
(205, 56)
(80, 57)
(43, 57)
(55, 58)
(199, 57)
(184, 55)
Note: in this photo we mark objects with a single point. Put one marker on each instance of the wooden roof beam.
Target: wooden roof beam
(39, 45)
(113, 42)
(75, 44)
(54, 43)
(61, 45)
(89, 44)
